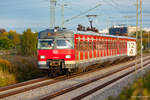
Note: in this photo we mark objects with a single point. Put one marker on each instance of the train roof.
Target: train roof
(71, 32)
(104, 35)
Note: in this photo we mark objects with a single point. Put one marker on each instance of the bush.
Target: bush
(6, 73)
(18, 69)
(28, 44)
(6, 43)
(26, 69)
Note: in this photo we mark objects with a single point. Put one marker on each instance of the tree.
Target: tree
(2, 31)
(28, 43)
(6, 43)
(12, 35)
(4, 34)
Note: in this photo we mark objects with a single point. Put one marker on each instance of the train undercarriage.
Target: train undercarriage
(55, 67)
(58, 67)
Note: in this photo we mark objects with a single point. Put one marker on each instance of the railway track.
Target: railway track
(37, 83)
(81, 96)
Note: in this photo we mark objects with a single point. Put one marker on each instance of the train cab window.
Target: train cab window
(46, 44)
(64, 44)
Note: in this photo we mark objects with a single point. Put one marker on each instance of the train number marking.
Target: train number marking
(131, 48)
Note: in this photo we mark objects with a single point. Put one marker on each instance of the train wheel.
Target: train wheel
(51, 72)
(68, 73)
(48, 73)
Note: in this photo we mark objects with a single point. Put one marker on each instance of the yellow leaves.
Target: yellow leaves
(14, 37)
(4, 64)
(12, 31)
(6, 77)
(5, 34)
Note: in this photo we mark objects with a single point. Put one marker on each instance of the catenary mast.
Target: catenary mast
(52, 13)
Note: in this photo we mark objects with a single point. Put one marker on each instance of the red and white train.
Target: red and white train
(60, 50)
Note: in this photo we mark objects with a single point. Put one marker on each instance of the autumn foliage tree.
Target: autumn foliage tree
(2, 31)
(28, 43)
(6, 43)
(12, 35)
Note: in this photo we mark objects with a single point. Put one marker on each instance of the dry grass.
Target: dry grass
(15, 69)
(7, 76)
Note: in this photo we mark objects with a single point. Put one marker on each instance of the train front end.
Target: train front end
(55, 51)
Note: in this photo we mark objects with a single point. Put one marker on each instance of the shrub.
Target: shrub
(18, 69)
(6, 73)
(6, 43)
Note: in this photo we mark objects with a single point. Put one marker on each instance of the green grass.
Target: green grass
(139, 90)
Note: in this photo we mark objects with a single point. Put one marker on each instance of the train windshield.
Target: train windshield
(46, 44)
(64, 44)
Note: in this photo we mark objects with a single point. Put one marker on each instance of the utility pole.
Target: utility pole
(148, 41)
(141, 32)
(127, 18)
(108, 24)
(62, 15)
(52, 13)
(137, 6)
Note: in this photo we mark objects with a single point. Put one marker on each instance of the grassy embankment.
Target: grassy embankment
(140, 90)
(17, 69)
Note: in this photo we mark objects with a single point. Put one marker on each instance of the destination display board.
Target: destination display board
(131, 48)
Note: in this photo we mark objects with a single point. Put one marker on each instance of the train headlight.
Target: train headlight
(42, 57)
(68, 56)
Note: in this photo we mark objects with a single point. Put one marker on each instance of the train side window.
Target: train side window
(94, 45)
(105, 43)
(110, 44)
(99, 44)
(77, 45)
(102, 44)
(81, 45)
(113, 44)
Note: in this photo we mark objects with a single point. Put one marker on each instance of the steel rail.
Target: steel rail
(56, 94)
(22, 84)
(104, 85)
(55, 80)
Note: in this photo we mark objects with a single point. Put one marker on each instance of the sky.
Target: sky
(35, 14)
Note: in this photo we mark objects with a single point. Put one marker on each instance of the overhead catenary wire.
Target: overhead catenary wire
(82, 13)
